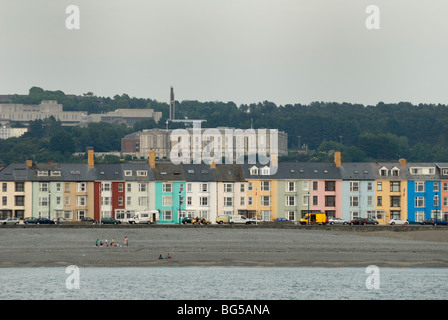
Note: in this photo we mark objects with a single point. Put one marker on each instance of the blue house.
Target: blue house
(423, 192)
(169, 192)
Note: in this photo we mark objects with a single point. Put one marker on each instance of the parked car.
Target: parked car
(224, 218)
(435, 222)
(337, 221)
(255, 220)
(187, 220)
(362, 221)
(282, 220)
(398, 222)
(239, 219)
(30, 220)
(110, 221)
(11, 221)
(88, 219)
(59, 220)
(200, 221)
(44, 221)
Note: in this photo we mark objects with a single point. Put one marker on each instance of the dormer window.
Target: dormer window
(42, 173)
(384, 171)
(395, 172)
(266, 171)
(253, 170)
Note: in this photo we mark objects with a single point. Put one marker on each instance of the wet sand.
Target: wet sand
(214, 246)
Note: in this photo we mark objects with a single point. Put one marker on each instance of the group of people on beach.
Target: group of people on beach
(113, 243)
(168, 256)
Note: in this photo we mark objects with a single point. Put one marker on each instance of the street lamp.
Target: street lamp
(180, 194)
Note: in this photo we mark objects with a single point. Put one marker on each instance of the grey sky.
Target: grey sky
(285, 51)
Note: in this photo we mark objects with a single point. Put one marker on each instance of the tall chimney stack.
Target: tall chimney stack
(152, 158)
(91, 157)
(172, 105)
(337, 158)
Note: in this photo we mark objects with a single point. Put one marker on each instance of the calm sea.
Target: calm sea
(223, 283)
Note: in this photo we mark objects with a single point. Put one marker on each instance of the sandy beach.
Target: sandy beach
(224, 246)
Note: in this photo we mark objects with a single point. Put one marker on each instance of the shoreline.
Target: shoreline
(207, 246)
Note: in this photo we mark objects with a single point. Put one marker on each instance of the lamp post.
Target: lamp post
(180, 194)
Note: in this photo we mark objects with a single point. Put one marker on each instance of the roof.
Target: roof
(198, 172)
(168, 171)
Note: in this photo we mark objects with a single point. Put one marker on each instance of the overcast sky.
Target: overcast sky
(245, 51)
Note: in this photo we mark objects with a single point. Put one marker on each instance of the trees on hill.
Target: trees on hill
(363, 133)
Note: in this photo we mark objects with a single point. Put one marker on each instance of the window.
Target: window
(82, 187)
(250, 186)
(305, 185)
(419, 202)
(4, 187)
(266, 215)
(143, 201)
(55, 173)
(419, 186)
(66, 187)
(330, 201)
(120, 201)
(167, 201)
(43, 187)
(354, 186)
(242, 201)
(369, 186)
(20, 186)
(58, 187)
(265, 201)
(204, 187)
(290, 201)
(167, 215)
(265, 185)
(129, 187)
(189, 201)
(330, 186)
(249, 201)
(105, 186)
(58, 201)
(379, 186)
(128, 201)
(120, 187)
(142, 173)
(228, 187)
(203, 201)
(419, 216)
(445, 186)
(395, 186)
(315, 186)
(42, 173)
(43, 201)
(395, 201)
(242, 187)
(379, 201)
(4, 201)
(167, 187)
(254, 170)
(290, 215)
(354, 201)
(435, 201)
(315, 200)
(127, 173)
(228, 201)
(383, 171)
(305, 200)
(265, 171)
(369, 201)
(290, 186)
(67, 201)
(435, 186)
(142, 187)
(105, 201)
(395, 172)
(82, 201)
(188, 187)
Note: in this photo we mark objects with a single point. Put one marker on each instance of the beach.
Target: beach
(344, 246)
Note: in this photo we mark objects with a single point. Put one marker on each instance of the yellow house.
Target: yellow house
(261, 193)
(390, 191)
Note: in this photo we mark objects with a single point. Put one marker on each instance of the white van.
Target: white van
(151, 216)
(238, 219)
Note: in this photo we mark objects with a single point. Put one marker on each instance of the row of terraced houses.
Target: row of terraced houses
(408, 191)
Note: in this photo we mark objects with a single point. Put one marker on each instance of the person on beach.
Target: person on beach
(112, 242)
(96, 242)
(125, 241)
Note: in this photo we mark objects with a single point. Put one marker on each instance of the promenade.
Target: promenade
(342, 246)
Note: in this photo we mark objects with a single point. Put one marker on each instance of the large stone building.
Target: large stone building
(163, 141)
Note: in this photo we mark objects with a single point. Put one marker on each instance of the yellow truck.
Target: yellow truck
(314, 218)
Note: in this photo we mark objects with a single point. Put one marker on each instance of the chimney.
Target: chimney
(213, 165)
(91, 157)
(337, 158)
(29, 163)
(402, 162)
(152, 158)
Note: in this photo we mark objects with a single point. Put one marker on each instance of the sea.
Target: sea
(223, 283)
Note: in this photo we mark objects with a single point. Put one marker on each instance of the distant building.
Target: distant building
(159, 140)
(126, 116)
(24, 113)
(6, 133)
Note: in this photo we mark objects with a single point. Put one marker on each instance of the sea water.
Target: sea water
(222, 283)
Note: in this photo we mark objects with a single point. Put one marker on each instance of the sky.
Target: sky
(244, 51)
